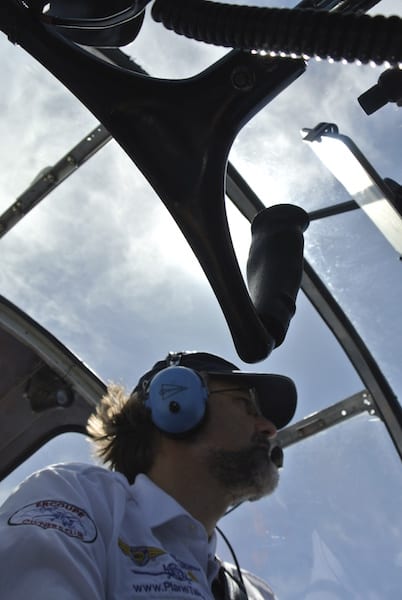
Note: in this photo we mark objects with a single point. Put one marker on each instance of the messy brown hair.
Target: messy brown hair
(123, 433)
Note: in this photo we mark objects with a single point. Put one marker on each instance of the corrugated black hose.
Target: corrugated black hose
(289, 32)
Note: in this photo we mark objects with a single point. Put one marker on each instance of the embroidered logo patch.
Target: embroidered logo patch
(141, 555)
(171, 571)
(57, 514)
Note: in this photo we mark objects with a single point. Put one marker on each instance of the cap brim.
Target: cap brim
(277, 394)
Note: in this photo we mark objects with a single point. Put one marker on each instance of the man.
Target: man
(195, 437)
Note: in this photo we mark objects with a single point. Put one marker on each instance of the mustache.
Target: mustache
(274, 450)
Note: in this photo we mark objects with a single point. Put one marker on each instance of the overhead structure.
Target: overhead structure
(189, 125)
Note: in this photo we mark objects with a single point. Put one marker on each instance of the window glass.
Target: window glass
(101, 264)
(333, 529)
(68, 447)
(363, 273)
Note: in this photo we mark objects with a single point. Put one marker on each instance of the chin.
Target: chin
(266, 491)
(246, 474)
(263, 485)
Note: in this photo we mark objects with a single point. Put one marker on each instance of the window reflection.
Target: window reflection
(333, 530)
(363, 273)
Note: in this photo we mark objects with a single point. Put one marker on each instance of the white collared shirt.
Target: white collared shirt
(82, 532)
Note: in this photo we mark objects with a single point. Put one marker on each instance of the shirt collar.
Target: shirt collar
(159, 508)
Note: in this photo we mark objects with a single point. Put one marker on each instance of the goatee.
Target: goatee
(248, 473)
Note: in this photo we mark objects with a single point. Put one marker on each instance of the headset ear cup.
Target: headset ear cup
(177, 399)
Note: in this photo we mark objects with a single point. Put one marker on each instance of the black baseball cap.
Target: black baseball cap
(276, 394)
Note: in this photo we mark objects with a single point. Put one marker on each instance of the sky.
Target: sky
(101, 264)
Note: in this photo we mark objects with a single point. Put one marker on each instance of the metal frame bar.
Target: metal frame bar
(326, 418)
(51, 177)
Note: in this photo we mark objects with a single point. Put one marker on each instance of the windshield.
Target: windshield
(102, 265)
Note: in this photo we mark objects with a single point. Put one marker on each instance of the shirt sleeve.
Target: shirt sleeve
(50, 543)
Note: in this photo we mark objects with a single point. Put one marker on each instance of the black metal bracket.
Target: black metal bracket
(387, 89)
(179, 133)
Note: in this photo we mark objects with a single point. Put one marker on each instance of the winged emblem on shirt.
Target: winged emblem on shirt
(141, 555)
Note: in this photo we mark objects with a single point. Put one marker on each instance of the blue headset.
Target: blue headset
(177, 398)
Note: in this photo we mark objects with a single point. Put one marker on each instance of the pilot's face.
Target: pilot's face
(237, 441)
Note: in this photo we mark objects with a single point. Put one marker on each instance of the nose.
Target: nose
(265, 426)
